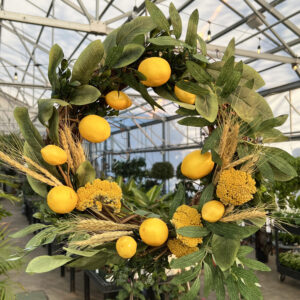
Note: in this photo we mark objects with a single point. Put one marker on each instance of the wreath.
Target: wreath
(138, 237)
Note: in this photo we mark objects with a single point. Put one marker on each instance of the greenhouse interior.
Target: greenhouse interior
(149, 149)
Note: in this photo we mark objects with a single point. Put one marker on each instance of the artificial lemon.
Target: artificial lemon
(157, 71)
(62, 199)
(184, 96)
(154, 232)
(118, 100)
(196, 165)
(212, 211)
(94, 129)
(126, 246)
(54, 155)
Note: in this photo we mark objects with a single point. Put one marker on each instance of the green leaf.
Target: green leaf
(202, 45)
(110, 41)
(232, 288)
(131, 53)
(244, 250)
(175, 20)
(85, 94)
(208, 279)
(130, 30)
(85, 173)
(179, 199)
(254, 264)
(231, 230)
(219, 284)
(27, 230)
(29, 132)
(226, 71)
(212, 141)
(249, 84)
(46, 236)
(87, 253)
(154, 192)
(191, 87)
(233, 81)
(53, 127)
(45, 109)
(193, 231)
(186, 112)
(168, 41)
(55, 57)
(201, 58)
(193, 292)
(207, 194)
(145, 213)
(198, 72)
(207, 106)
(194, 121)
(249, 105)
(224, 251)
(130, 80)
(229, 50)
(265, 170)
(38, 187)
(87, 62)
(273, 136)
(186, 276)
(191, 33)
(157, 16)
(273, 122)
(188, 260)
(45, 263)
(113, 56)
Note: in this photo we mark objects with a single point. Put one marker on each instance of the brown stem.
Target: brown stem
(68, 183)
(160, 255)
(117, 220)
(128, 218)
(99, 214)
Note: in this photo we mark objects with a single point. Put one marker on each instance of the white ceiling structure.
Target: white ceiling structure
(30, 27)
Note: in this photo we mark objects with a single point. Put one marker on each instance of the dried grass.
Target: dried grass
(100, 239)
(93, 225)
(65, 146)
(247, 214)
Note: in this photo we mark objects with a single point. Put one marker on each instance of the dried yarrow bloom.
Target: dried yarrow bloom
(180, 249)
(97, 193)
(235, 187)
(187, 216)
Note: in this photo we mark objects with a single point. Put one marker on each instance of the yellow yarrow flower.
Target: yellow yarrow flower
(99, 192)
(187, 216)
(235, 187)
(180, 249)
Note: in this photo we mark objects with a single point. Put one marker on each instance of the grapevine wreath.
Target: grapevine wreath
(137, 237)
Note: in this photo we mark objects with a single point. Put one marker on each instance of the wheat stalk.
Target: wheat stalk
(72, 145)
(244, 215)
(93, 225)
(80, 153)
(42, 170)
(100, 239)
(65, 146)
(22, 168)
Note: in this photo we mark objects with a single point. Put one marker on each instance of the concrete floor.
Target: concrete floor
(57, 288)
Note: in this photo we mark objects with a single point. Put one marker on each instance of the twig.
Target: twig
(64, 176)
(128, 218)
(160, 255)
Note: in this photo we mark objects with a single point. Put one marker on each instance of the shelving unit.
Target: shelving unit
(283, 270)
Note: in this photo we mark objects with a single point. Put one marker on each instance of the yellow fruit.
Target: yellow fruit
(196, 165)
(62, 199)
(184, 96)
(157, 71)
(154, 232)
(212, 211)
(94, 129)
(54, 155)
(118, 100)
(126, 246)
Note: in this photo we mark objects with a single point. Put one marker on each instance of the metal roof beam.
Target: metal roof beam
(79, 9)
(275, 13)
(242, 21)
(26, 85)
(94, 27)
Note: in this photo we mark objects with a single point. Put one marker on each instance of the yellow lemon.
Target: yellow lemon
(154, 232)
(118, 100)
(157, 71)
(212, 211)
(126, 246)
(54, 155)
(196, 165)
(62, 199)
(94, 129)
(184, 96)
